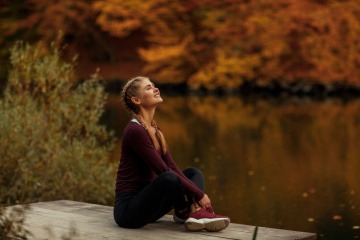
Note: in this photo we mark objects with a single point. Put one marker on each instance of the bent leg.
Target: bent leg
(155, 200)
(196, 176)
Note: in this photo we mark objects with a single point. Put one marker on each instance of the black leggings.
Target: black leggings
(134, 210)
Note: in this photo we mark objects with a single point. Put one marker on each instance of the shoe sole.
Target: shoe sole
(209, 224)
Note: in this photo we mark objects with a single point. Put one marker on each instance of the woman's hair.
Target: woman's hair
(130, 90)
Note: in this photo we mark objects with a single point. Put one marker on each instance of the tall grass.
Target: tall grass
(51, 143)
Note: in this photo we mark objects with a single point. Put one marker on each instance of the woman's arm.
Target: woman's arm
(198, 194)
(203, 200)
(139, 140)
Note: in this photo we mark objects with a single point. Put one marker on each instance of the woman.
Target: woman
(149, 184)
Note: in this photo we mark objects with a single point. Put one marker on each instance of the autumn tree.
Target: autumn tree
(32, 19)
(306, 40)
(222, 44)
(213, 43)
(169, 33)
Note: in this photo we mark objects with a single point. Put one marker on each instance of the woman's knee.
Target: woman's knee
(192, 171)
(169, 178)
(196, 176)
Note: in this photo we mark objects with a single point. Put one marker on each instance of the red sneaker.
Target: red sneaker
(203, 219)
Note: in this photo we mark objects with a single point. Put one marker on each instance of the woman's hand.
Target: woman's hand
(205, 203)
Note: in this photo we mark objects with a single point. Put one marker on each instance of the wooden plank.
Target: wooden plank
(52, 220)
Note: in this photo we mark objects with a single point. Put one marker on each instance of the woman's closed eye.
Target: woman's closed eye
(148, 87)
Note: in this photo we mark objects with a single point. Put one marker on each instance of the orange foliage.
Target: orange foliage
(119, 17)
(48, 17)
(221, 44)
(284, 40)
(215, 43)
(166, 30)
(45, 19)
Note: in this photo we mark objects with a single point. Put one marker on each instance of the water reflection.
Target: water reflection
(283, 164)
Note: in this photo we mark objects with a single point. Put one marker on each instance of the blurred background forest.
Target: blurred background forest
(300, 46)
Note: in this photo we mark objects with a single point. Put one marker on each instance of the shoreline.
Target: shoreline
(274, 89)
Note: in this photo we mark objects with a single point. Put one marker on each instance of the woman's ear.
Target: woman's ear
(135, 100)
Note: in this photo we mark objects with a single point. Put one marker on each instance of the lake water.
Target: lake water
(283, 163)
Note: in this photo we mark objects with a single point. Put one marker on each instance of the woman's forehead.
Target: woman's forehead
(146, 82)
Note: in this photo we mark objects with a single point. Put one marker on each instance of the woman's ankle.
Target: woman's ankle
(182, 211)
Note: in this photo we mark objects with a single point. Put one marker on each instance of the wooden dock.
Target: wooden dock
(58, 219)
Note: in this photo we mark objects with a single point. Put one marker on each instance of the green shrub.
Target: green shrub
(51, 143)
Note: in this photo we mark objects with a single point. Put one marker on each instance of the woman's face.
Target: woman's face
(148, 95)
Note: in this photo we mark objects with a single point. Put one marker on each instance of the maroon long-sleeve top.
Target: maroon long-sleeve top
(140, 163)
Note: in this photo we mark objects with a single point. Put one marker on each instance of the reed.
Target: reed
(255, 233)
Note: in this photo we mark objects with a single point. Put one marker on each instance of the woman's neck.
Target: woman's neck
(146, 116)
